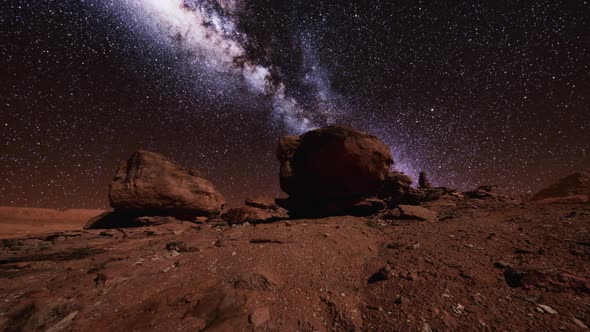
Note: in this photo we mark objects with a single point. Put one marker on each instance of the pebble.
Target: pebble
(458, 309)
(546, 308)
(579, 323)
(259, 316)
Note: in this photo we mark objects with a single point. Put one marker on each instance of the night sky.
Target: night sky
(472, 92)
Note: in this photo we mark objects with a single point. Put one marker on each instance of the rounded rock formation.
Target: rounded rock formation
(148, 183)
(572, 185)
(334, 162)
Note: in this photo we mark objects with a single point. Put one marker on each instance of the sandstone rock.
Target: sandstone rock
(261, 203)
(575, 184)
(333, 163)
(411, 212)
(576, 199)
(149, 184)
(423, 181)
(485, 191)
(383, 274)
(396, 186)
(259, 316)
(255, 281)
(252, 215)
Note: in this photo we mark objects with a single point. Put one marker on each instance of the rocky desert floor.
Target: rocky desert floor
(483, 266)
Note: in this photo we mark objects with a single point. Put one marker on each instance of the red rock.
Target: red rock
(332, 163)
(251, 214)
(572, 185)
(411, 212)
(266, 203)
(260, 316)
(151, 184)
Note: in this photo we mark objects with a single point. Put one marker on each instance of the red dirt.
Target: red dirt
(310, 275)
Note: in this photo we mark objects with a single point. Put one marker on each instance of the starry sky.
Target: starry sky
(472, 92)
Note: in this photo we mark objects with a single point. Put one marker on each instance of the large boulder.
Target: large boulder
(333, 162)
(572, 185)
(150, 184)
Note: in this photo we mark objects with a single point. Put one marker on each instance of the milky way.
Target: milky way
(471, 92)
(208, 31)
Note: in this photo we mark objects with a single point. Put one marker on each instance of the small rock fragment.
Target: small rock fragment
(546, 308)
(383, 274)
(259, 316)
(402, 300)
(411, 212)
(579, 323)
(458, 309)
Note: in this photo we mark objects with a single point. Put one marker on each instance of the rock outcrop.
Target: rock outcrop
(333, 162)
(423, 181)
(572, 185)
(332, 171)
(150, 184)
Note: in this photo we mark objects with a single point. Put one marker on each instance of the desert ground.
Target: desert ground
(483, 265)
(22, 221)
(354, 247)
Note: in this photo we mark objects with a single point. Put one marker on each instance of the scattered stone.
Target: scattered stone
(391, 214)
(179, 246)
(247, 214)
(411, 212)
(62, 324)
(579, 323)
(260, 202)
(402, 300)
(100, 278)
(20, 266)
(458, 308)
(546, 308)
(383, 274)
(259, 316)
(483, 192)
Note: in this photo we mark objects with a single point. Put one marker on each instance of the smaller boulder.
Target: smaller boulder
(575, 184)
(259, 202)
(253, 215)
(423, 181)
(260, 316)
(412, 212)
